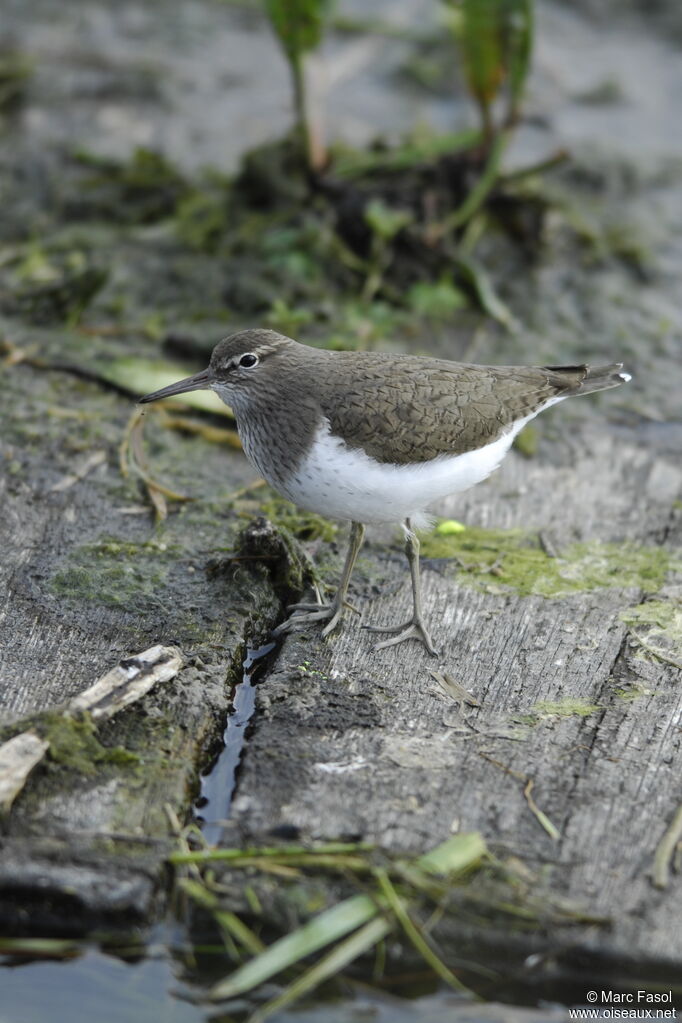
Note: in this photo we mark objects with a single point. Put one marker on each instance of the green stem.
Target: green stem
(549, 163)
(300, 108)
(481, 189)
(416, 937)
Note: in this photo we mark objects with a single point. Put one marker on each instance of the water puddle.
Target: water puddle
(212, 808)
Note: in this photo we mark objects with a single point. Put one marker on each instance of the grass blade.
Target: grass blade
(333, 963)
(542, 818)
(415, 935)
(227, 921)
(474, 274)
(282, 853)
(455, 855)
(326, 927)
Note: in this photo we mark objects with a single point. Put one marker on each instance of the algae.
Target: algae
(567, 708)
(499, 560)
(74, 744)
(302, 524)
(140, 190)
(115, 573)
(660, 621)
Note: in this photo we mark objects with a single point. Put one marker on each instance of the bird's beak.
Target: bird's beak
(199, 382)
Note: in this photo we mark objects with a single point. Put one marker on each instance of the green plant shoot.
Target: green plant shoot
(299, 25)
(496, 39)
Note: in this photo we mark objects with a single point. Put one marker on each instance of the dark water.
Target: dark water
(95, 986)
(218, 783)
(162, 988)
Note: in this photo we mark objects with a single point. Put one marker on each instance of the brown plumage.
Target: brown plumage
(409, 409)
(397, 408)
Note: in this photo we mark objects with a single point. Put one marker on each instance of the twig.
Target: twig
(93, 460)
(665, 850)
(214, 434)
(542, 818)
(453, 689)
(131, 455)
(243, 491)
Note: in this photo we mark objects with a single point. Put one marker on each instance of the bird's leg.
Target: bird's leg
(414, 628)
(332, 612)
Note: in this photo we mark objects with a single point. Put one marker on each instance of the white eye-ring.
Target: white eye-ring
(249, 360)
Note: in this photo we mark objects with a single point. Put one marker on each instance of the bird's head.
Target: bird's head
(242, 367)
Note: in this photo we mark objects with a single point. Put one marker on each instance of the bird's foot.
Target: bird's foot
(307, 614)
(414, 628)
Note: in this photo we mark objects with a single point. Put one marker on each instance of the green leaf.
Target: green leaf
(226, 920)
(298, 24)
(384, 221)
(455, 855)
(482, 44)
(333, 963)
(520, 30)
(436, 300)
(326, 927)
(496, 42)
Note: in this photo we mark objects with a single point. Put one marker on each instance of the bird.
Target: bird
(375, 437)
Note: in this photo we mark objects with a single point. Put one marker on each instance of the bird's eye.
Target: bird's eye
(248, 360)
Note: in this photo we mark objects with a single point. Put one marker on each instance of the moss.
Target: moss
(631, 692)
(657, 620)
(114, 572)
(140, 190)
(304, 525)
(74, 744)
(512, 559)
(570, 707)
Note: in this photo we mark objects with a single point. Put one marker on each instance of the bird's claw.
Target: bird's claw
(311, 613)
(412, 629)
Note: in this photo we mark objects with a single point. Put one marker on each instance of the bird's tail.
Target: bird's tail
(584, 379)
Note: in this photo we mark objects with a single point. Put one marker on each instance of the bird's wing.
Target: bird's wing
(412, 410)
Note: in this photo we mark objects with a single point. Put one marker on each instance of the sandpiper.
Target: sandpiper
(373, 437)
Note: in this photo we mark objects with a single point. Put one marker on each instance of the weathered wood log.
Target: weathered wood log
(568, 757)
(83, 586)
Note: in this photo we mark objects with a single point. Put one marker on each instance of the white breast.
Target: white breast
(344, 483)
